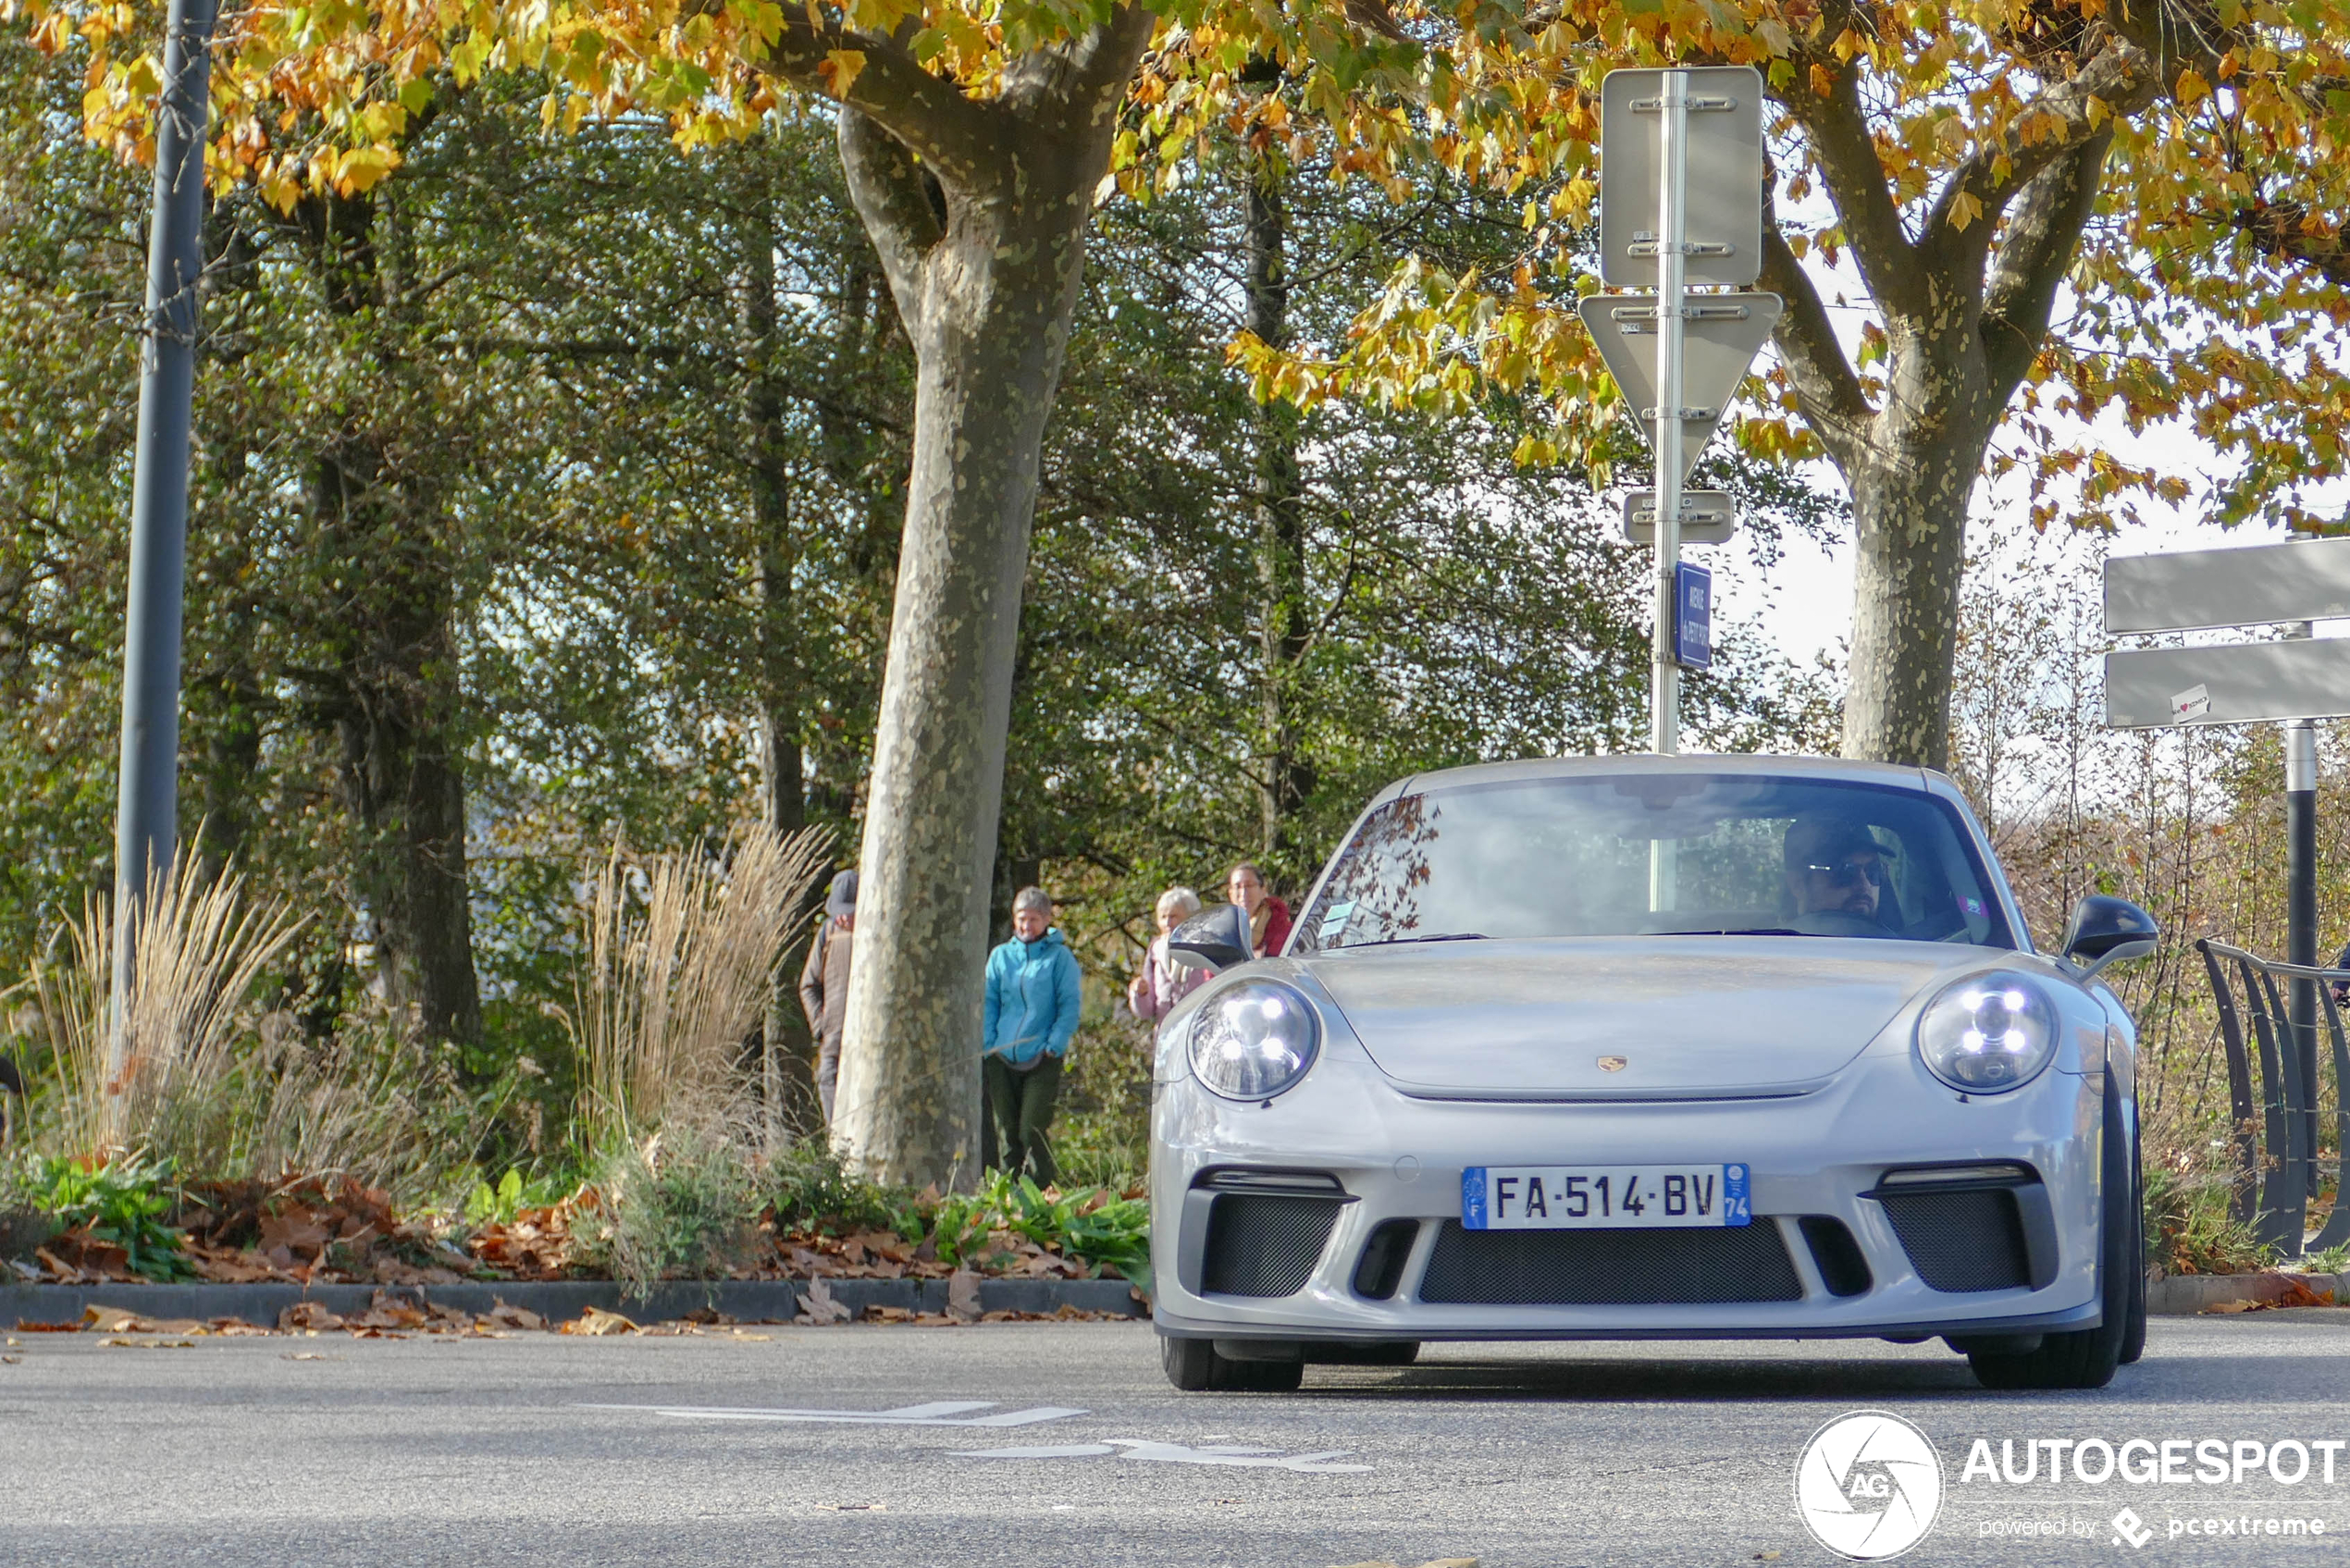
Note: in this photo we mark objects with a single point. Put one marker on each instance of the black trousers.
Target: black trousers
(1017, 1116)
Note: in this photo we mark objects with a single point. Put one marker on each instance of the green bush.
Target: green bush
(125, 1202)
(2189, 1229)
(808, 1189)
(1096, 1225)
(681, 1205)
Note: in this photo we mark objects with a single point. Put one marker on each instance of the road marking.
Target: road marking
(941, 1412)
(1179, 1453)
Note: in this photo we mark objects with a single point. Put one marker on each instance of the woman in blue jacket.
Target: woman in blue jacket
(1031, 1012)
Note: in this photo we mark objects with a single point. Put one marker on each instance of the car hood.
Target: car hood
(1689, 1015)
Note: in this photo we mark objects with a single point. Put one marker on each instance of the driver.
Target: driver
(1834, 865)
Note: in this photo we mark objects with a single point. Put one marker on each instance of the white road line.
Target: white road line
(947, 1413)
(1179, 1453)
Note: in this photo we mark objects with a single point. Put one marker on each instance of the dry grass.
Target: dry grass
(197, 950)
(681, 951)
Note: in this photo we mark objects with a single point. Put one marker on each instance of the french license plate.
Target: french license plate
(1593, 1197)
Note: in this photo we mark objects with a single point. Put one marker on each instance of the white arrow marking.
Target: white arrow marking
(1180, 1454)
(950, 1413)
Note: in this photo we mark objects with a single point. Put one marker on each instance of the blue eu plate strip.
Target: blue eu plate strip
(1735, 1209)
(1473, 1198)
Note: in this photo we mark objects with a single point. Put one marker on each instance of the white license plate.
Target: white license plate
(1597, 1197)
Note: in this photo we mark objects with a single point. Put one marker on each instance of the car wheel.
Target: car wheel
(2085, 1358)
(1193, 1366)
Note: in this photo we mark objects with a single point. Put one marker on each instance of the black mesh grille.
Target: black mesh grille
(1961, 1240)
(1265, 1246)
(1745, 1263)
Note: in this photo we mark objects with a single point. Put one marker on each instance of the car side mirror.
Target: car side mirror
(2104, 930)
(1213, 940)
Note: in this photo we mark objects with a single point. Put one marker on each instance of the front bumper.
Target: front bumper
(1396, 1162)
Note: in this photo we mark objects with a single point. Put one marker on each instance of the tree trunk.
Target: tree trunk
(787, 1086)
(397, 708)
(1909, 516)
(986, 271)
(1285, 777)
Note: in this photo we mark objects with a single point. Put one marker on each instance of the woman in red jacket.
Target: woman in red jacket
(1268, 918)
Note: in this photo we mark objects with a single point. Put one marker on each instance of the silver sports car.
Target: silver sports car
(1652, 1047)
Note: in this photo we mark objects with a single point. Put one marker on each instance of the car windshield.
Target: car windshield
(1655, 854)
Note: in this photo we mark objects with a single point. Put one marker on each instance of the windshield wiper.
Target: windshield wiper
(1733, 931)
(1432, 936)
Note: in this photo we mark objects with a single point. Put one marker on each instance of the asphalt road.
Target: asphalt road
(334, 1452)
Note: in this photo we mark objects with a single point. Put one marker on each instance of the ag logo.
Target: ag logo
(1869, 1485)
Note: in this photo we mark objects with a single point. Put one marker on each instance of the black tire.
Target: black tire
(2134, 1333)
(1193, 1366)
(2085, 1358)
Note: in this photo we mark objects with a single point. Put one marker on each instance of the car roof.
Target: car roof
(1829, 768)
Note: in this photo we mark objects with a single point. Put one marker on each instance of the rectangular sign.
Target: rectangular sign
(1693, 615)
(1622, 1197)
(1724, 181)
(2195, 589)
(1708, 517)
(2301, 679)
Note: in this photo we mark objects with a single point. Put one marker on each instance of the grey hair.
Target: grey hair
(1186, 902)
(1032, 899)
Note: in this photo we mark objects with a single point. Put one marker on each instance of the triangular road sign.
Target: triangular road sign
(1721, 334)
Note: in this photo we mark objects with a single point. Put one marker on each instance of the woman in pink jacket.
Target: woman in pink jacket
(1154, 992)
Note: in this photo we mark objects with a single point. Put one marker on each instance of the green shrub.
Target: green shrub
(681, 1205)
(2189, 1229)
(808, 1189)
(124, 1201)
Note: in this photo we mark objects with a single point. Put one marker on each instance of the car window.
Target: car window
(1635, 853)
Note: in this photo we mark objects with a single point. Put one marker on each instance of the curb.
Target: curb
(2184, 1295)
(745, 1301)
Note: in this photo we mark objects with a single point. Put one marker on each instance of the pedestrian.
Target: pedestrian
(1268, 918)
(824, 983)
(1031, 1012)
(1163, 982)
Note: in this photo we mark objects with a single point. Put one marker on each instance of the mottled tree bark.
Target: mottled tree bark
(979, 212)
(1284, 620)
(1966, 305)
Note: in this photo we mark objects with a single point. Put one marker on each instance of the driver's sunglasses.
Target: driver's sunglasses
(1852, 873)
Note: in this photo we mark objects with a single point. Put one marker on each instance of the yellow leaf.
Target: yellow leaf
(2189, 88)
(840, 69)
(1965, 207)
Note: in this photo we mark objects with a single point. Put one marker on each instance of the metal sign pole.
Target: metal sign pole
(146, 808)
(2301, 919)
(1664, 699)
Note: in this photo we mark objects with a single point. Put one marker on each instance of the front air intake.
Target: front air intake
(1961, 1241)
(1265, 1245)
(1747, 1263)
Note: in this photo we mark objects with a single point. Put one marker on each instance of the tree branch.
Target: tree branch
(963, 140)
(891, 196)
(2033, 255)
(2120, 76)
(1842, 147)
(2279, 231)
(1088, 71)
(1828, 392)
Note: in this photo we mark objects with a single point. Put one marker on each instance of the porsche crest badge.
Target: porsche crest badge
(1614, 1064)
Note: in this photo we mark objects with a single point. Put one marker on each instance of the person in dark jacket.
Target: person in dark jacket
(824, 983)
(1031, 1012)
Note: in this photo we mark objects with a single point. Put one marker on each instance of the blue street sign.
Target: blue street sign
(1693, 616)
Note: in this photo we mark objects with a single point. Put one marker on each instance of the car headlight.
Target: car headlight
(1254, 1040)
(1989, 1032)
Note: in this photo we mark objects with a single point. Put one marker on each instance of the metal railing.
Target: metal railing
(2273, 1092)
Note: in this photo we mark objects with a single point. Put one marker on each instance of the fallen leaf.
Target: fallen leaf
(962, 1295)
(506, 1316)
(120, 1342)
(817, 1305)
(10, 1359)
(302, 1355)
(2231, 1306)
(26, 1326)
(307, 1315)
(1766, 1557)
(598, 1322)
